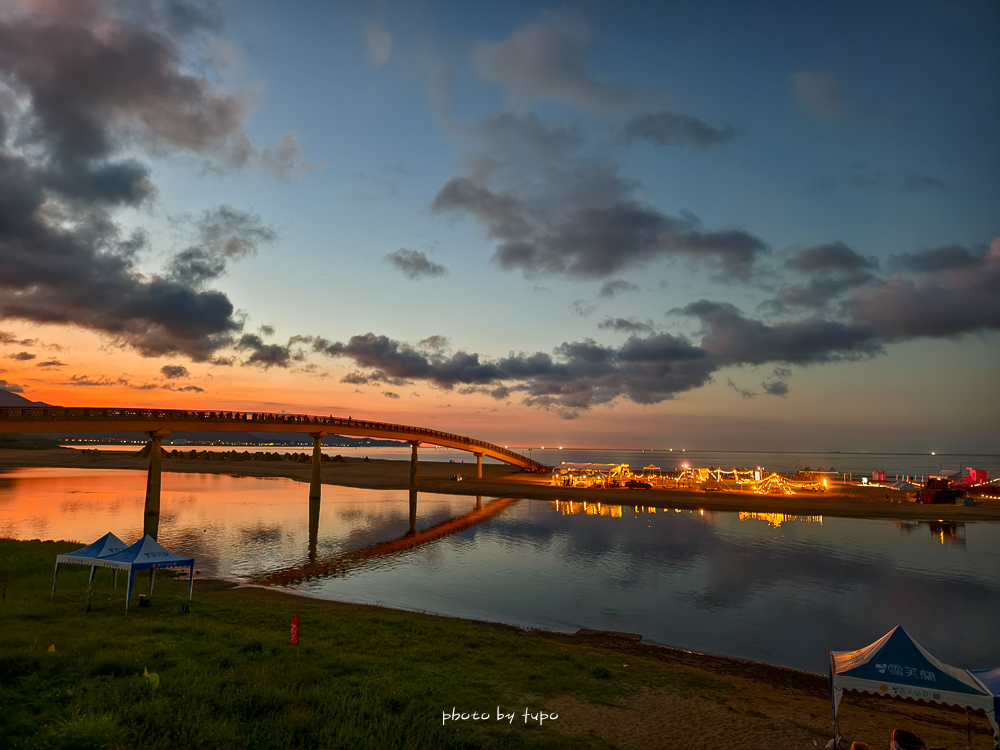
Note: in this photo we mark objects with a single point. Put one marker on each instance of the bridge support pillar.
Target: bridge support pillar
(479, 466)
(151, 512)
(313, 527)
(317, 465)
(479, 502)
(413, 463)
(413, 512)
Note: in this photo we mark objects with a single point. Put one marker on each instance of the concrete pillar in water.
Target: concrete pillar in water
(479, 466)
(317, 465)
(313, 527)
(479, 502)
(413, 463)
(151, 517)
(413, 512)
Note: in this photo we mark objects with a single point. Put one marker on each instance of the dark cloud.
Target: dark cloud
(820, 95)
(390, 394)
(626, 325)
(731, 338)
(223, 235)
(173, 372)
(123, 381)
(955, 298)
(414, 264)
(616, 286)
(676, 129)
(833, 256)
(775, 387)
(591, 240)
(547, 61)
(12, 387)
(744, 392)
(23, 356)
(947, 258)
(51, 363)
(373, 378)
(264, 355)
(96, 90)
(925, 182)
(575, 377)
(835, 268)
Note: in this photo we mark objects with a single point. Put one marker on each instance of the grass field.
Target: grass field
(361, 677)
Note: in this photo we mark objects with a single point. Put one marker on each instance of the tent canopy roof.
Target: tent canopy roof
(897, 658)
(144, 554)
(107, 545)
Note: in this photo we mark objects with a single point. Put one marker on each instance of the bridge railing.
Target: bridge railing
(61, 414)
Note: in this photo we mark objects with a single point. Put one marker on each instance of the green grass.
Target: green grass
(361, 677)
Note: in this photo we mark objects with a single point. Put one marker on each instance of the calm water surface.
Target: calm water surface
(784, 590)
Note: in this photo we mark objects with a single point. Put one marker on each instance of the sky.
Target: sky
(727, 226)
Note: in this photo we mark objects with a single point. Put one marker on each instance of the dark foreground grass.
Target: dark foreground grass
(361, 677)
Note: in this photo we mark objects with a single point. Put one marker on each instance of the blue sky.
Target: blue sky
(733, 225)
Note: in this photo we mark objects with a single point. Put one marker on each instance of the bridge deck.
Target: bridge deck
(64, 420)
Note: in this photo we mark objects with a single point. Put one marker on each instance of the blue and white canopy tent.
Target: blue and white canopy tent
(92, 555)
(899, 667)
(146, 554)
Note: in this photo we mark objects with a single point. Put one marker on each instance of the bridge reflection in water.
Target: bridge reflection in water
(340, 563)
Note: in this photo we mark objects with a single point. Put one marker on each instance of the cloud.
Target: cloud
(744, 393)
(51, 363)
(379, 44)
(574, 377)
(12, 387)
(626, 325)
(264, 355)
(223, 235)
(834, 268)
(22, 356)
(594, 231)
(96, 92)
(414, 264)
(123, 381)
(676, 129)
(390, 394)
(775, 387)
(173, 372)
(547, 61)
(920, 182)
(959, 293)
(731, 338)
(614, 287)
(946, 258)
(819, 94)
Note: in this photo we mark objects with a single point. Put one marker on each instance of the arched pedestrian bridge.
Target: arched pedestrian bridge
(161, 422)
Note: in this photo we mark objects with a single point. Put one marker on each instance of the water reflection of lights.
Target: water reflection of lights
(588, 509)
(776, 519)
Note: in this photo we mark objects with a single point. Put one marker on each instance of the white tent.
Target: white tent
(92, 555)
(146, 554)
(899, 667)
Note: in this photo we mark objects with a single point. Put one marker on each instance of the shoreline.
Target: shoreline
(501, 480)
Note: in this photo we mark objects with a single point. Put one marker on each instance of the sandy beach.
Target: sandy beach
(848, 501)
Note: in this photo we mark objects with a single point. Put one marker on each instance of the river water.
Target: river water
(778, 589)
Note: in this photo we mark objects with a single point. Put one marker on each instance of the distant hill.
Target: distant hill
(12, 399)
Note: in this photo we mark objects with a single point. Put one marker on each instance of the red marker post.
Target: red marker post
(295, 630)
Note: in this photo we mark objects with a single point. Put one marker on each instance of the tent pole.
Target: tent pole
(191, 583)
(90, 582)
(55, 574)
(152, 574)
